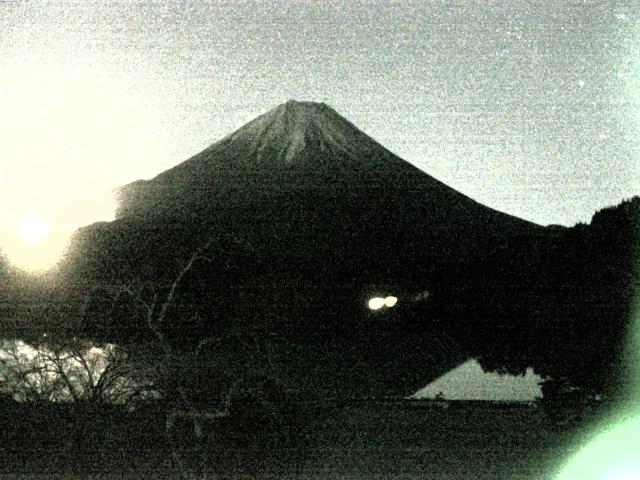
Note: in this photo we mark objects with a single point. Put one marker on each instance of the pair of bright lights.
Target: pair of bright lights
(377, 303)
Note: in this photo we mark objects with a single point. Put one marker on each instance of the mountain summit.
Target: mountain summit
(282, 135)
(295, 132)
(297, 146)
(290, 134)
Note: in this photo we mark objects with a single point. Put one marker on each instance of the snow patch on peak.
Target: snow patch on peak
(292, 131)
(294, 105)
(296, 144)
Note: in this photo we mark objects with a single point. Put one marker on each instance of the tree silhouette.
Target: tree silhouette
(77, 371)
(568, 314)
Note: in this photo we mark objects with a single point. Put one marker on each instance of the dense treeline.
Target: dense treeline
(556, 299)
(572, 308)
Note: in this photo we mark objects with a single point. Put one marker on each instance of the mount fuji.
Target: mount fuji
(306, 218)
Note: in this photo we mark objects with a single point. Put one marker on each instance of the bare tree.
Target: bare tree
(154, 307)
(24, 375)
(75, 371)
(211, 353)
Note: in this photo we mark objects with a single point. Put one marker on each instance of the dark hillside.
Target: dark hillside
(582, 290)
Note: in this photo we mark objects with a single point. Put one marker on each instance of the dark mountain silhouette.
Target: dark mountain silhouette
(301, 149)
(306, 218)
(303, 188)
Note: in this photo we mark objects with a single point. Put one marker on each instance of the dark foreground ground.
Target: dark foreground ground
(373, 439)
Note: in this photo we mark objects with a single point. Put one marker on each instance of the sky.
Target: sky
(532, 108)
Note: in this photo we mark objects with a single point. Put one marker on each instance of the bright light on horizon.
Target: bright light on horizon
(73, 128)
(35, 243)
(33, 229)
(34, 249)
(390, 301)
(377, 303)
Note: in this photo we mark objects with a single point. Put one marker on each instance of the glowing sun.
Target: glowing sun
(36, 243)
(33, 230)
(33, 245)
